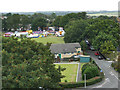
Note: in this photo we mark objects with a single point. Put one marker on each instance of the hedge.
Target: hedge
(80, 84)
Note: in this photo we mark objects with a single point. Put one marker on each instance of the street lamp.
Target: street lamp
(85, 79)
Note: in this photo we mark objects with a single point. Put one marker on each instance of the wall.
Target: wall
(68, 55)
(79, 49)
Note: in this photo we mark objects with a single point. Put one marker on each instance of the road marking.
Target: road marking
(77, 72)
(114, 75)
(111, 73)
(106, 80)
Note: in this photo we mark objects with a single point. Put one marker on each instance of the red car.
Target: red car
(97, 53)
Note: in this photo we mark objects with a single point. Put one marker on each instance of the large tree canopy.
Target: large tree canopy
(39, 22)
(63, 20)
(75, 31)
(102, 33)
(28, 64)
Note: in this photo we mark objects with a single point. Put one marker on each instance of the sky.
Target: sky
(57, 5)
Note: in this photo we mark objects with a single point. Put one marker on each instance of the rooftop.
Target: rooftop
(64, 48)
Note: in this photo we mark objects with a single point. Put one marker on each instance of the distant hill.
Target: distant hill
(61, 13)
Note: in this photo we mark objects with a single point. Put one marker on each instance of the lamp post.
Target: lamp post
(85, 79)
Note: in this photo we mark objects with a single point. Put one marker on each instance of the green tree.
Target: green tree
(75, 31)
(83, 45)
(105, 43)
(25, 20)
(28, 64)
(13, 21)
(57, 21)
(39, 22)
(90, 70)
(72, 16)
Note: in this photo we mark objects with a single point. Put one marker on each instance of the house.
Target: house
(66, 50)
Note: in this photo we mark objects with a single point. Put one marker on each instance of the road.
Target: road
(111, 76)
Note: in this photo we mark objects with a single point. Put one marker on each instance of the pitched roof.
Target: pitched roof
(64, 48)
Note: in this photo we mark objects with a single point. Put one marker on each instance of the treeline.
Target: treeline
(13, 22)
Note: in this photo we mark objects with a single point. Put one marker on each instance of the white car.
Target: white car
(91, 48)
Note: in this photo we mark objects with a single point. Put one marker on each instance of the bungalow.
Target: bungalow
(66, 50)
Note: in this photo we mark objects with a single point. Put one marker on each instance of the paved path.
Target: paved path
(78, 73)
(67, 63)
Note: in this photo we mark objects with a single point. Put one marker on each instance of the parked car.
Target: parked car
(91, 48)
(87, 42)
(100, 57)
(97, 53)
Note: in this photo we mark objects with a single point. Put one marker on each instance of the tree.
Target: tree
(105, 43)
(25, 21)
(83, 45)
(53, 15)
(57, 21)
(75, 31)
(72, 16)
(28, 64)
(116, 64)
(13, 21)
(39, 22)
(90, 70)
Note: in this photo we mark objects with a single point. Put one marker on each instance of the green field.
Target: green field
(105, 14)
(70, 72)
(50, 39)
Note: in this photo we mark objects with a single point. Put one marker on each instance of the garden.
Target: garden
(93, 76)
(70, 72)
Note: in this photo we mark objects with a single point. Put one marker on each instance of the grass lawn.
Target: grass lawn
(70, 72)
(50, 39)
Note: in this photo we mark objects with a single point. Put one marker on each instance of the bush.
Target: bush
(72, 84)
(87, 65)
(80, 84)
(90, 70)
(84, 67)
(93, 80)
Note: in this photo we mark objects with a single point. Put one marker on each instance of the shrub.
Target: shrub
(72, 84)
(87, 65)
(90, 70)
(80, 84)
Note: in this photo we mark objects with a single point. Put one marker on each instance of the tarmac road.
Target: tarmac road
(111, 76)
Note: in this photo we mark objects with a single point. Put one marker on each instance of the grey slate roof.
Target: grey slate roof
(64, 48)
